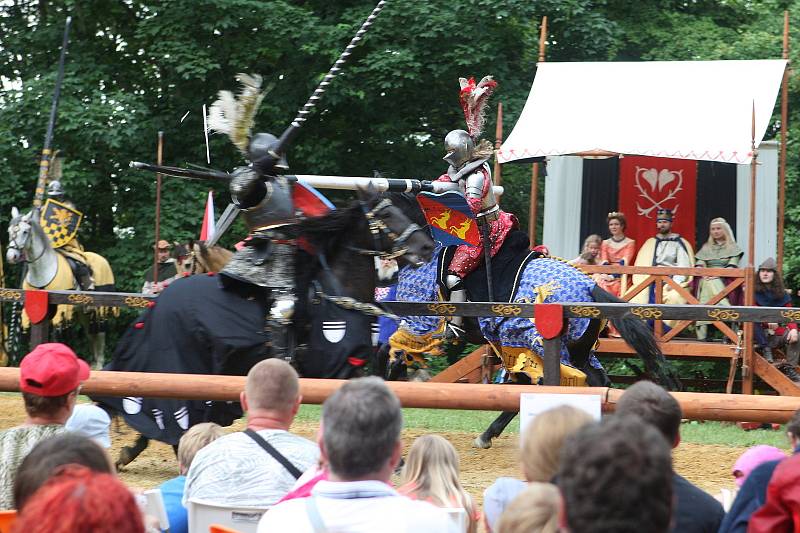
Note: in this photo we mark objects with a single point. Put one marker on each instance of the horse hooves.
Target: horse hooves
(125, 457)
(480, 443)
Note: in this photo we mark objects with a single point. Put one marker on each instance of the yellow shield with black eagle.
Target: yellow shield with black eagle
(60, 222)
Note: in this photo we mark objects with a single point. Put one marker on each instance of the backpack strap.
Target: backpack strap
(312, 512)
(270, 449)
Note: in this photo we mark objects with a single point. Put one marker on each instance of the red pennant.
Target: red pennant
(36, 305)
(549, 319)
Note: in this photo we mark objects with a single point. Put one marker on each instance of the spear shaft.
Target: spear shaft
(44, 162)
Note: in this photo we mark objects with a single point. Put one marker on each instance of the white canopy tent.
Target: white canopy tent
(681, 109)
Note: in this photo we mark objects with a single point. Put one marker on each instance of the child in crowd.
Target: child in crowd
(195, 438)
(431, 473)
(535, 510)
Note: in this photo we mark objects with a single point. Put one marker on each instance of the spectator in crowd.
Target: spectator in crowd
(256, 467)
(720, 251)
(694, 510)
(360, 443)
(753, 493)
(770, 292)
(753, 457)
(781, 510)
(431, 474)
(667, 249)
(616, 476)
(540, 454)
(167, 269)
(49, 455)
(535, 510)
(50, 379)
(590, 255)
(91, 421)
(196, 438)
(78, 499)
(616, 250)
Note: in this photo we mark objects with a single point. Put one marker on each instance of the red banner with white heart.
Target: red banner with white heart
(647, 184)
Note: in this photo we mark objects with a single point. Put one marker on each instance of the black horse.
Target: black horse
(202, 326)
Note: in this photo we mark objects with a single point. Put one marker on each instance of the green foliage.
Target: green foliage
(137, 67)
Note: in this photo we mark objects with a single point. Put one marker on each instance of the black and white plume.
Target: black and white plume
(234, 115)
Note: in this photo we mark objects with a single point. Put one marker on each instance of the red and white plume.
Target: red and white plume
(473, 99)
(209, 227)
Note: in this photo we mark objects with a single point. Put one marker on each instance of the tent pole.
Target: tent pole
(784, 126)
(749, 296)
(534, 205)
(498, 141)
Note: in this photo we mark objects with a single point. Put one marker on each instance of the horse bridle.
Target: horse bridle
(13, 245)
(379, 229)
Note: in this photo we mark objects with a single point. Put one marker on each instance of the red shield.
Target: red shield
(549, 319)
(36, 305)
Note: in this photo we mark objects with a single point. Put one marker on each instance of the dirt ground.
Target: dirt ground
(708, 466)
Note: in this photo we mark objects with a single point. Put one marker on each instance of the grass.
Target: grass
(474, 422)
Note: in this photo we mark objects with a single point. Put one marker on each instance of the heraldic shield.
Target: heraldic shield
(60, 222)
(450, 218)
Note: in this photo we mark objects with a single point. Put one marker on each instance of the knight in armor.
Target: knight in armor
(72, 249)
(268, 257)
(469, 173)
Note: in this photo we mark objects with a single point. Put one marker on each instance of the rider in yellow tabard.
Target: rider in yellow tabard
(67, 243)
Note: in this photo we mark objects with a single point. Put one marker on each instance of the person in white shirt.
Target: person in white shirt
(360, 444)
(237, 469)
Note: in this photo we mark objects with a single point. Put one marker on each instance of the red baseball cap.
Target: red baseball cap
(52, 369)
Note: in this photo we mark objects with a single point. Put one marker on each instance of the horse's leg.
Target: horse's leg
(484, 440)
(98, 343)
(128, 453)
(380, 360)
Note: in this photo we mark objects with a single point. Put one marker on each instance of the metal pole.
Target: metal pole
(44, 162)
(784, 130)
(159, 158)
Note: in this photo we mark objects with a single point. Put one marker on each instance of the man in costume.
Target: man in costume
(60, 219)
(470, 174)
(666, 249)
(167, 269)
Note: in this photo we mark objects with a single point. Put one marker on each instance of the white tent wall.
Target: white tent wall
(564, 185)
(562, 205)
(766, 204)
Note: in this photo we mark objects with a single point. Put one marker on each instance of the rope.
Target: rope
(351, 304)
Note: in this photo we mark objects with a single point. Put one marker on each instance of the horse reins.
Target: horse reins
(13, 245)
(379, 228)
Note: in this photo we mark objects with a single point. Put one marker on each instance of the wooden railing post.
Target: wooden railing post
(747, 360)
(37, 306)
(550, 323)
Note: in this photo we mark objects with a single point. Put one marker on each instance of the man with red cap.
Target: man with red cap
(49, 378)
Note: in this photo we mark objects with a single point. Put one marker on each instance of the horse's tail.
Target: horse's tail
(639, 337)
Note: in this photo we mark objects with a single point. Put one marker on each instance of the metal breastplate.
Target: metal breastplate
(474, 186)
(277, 207)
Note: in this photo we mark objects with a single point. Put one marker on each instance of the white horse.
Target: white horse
(48, 269)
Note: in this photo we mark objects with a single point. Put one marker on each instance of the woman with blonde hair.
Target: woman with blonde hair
(540, 457)
(431, 473)
(720, 251)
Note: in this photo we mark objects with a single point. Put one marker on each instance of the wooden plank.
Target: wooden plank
(674, 348)
(774, 377)
(696, 406)
(639, 287)
(466, 365)
(662, 271)
(552, 361)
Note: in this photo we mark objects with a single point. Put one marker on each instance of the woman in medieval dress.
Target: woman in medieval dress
(616, 250)
(720, 251)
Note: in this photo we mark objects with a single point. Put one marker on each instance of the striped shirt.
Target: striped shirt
(15, 444)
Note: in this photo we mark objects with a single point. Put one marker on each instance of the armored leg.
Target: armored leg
(458, 294)
(279, 324)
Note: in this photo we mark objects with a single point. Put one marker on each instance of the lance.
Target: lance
(349, 183)
(44, 162)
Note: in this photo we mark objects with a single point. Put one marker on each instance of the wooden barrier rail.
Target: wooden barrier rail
(696, 406)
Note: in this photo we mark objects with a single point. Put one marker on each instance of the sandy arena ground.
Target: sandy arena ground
(708, 466)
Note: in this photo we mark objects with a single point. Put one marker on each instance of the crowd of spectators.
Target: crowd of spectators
(579, 475)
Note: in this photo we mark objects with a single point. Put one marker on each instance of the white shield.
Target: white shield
(334, 331)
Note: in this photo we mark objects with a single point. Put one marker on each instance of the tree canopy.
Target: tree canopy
(137, 67)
